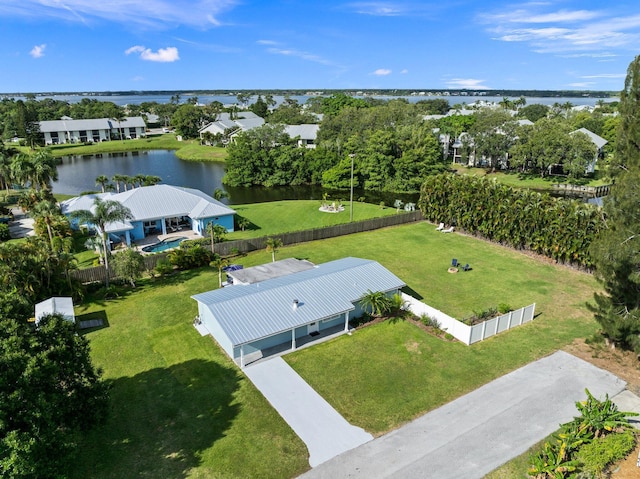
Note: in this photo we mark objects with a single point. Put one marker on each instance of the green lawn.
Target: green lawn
(385, 375)
(186, 150)
(180, 406)
(295, 215)
(533, 181)
(182, 409)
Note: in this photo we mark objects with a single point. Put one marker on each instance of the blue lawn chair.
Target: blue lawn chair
(454, 262)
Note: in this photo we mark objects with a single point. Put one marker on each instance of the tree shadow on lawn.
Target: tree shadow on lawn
(160, 421)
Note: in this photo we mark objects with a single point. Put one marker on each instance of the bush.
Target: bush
(4, 232)
(504, 308)
(164, 267)
(604, 451)
(429, 321)
(190, 257)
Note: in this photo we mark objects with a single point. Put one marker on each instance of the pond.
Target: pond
(77, 174)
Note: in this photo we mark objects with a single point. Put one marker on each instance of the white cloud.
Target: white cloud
(163, 55)
(267, 42)
(581, 84)
(404, 72)
(300, 54)
(382, 72)
(150, 13)
(38, 51)
(378, 9)
(606, 75)
(587, 32)
(466, 83)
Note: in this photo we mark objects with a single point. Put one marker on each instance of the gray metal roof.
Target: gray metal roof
(154, 202)
(597, 140)
(90, 124)
(270, 270)
(305, 132)
(247, 313)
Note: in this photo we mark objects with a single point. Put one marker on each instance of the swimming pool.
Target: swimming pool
(164, 245)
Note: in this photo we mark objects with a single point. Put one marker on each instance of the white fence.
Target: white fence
(471, 334)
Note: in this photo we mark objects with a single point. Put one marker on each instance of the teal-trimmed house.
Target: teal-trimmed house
(247, 319)
(159, 209)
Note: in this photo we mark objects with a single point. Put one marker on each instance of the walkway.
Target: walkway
(471, 436)
(22, 225)
(325, 432)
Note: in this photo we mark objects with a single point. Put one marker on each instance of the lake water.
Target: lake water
(302, 99)
(77, 174)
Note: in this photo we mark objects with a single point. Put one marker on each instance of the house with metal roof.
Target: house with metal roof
(67, 130)
(284, 311)
(599, 143)
(158, 209)
(305, 134)
(228, 128)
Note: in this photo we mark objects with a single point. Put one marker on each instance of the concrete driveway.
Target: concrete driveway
(482, 430)
(325, 432)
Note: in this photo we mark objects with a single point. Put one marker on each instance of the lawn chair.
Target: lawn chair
(448, 230)
(454, 262)
(440, 227)
(466, 267)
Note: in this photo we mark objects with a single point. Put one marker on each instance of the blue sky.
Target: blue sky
(110, 45)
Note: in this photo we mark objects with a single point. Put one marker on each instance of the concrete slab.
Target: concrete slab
(325, 432)
(628, 402)
(482, 430)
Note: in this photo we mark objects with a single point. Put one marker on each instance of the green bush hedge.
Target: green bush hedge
(555, 227)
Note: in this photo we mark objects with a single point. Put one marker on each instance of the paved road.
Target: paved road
(478, 432)
(325, 432)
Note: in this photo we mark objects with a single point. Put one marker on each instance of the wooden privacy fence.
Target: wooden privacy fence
(226, 248)
(471, 334)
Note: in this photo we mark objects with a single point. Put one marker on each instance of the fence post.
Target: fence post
(484, 328)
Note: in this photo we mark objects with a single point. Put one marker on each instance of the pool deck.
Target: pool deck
(153, 239)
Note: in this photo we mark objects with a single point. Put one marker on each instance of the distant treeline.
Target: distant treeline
(366, 92)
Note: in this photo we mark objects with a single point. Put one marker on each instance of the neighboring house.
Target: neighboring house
(248, 319)
(94, 130)
(228, 128)
(158, 209)
(599, 142)
(56, 305)
(305, 134)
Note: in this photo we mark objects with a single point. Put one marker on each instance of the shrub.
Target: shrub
(600, 453)
(190, 257)
(164, 267)
(429, 321)
(504, 308)
(4, 232)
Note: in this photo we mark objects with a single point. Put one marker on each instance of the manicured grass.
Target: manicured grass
(388, 374)
(286, 216)
(180, 407)
(186, 150)
(533, 181)
(197, 152)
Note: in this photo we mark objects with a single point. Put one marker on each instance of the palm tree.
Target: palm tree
(150, 180)
(5, 170)
(118, 116)
(45, 169)
(127, 181)
(48, 211)
(139, 180)
(377, 302)
(219, 263)
(103, 213)
(102, 180)
(273, 244)
(117, 179)
(21, 169)
(219, 194)
(242, 222)
(216, 233)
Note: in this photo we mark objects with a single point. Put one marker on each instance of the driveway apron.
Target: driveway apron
(325, 432)
(469, 437)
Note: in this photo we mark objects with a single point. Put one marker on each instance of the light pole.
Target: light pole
(352, 155)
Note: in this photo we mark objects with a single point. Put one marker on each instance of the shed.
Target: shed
(284, 311)
(56, 305)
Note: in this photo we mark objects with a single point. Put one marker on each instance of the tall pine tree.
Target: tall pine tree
(616, 251)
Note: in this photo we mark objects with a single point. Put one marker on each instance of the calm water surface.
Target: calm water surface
(78, 174)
